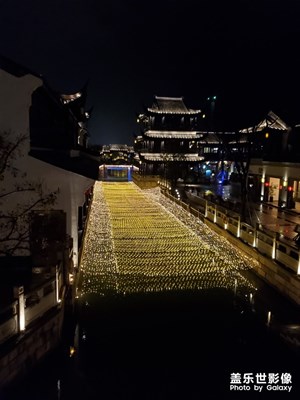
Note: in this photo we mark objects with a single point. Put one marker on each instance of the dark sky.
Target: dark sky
(247, 52)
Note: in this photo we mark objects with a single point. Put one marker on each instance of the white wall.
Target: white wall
(71, 192)
(15, 101)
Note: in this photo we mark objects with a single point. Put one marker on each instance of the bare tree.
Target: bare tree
(19, 196)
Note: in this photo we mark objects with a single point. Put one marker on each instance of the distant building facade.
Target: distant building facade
(174, 140)
(275, 161)
(116, 162)
(116, 154)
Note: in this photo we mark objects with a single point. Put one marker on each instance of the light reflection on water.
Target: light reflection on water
(162, 345)
(148, 329)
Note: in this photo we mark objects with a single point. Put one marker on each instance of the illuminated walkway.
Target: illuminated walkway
(135, 244)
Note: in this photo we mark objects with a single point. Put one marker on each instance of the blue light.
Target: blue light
(222, 176)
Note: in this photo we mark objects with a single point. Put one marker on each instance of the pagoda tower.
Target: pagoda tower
(168, 144)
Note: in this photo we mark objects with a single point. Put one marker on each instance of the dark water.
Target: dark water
(174, 345)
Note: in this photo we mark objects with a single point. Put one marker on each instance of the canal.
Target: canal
(167, 312)
(166, 345)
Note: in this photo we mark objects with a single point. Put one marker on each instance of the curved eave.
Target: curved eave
(172, 134)
(67, 98)
(272, 121)
(260, 128)
(171, 157)
(179, 112)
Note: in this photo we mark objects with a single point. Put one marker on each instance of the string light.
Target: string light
(139, 241)
(172, 157)
(186, 112)
(173, 134)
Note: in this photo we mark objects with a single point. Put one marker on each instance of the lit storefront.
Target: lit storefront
(280, 184)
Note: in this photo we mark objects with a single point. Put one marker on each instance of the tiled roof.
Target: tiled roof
(271, 121)
(116, 147)
(210, 139)
(171, 105)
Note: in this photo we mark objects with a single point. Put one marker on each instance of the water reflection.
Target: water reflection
(166, 309)
(162, 345)
(159, 345)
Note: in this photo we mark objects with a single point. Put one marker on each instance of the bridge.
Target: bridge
(134, 243)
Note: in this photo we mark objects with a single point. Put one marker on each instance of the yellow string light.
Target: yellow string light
(139, 241)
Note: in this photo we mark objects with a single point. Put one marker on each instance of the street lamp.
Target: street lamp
(212, 98)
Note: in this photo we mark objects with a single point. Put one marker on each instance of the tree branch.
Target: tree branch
(6, 155)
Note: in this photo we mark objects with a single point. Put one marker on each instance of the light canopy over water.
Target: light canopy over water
(138, 241)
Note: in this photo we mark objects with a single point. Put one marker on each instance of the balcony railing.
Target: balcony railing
(269, 244)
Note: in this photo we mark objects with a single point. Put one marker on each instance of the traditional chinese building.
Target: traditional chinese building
(63, 116)
(52, 151)
(116, 162)
(116, 154)
(47, 177)
(275, 160)
(168, 145)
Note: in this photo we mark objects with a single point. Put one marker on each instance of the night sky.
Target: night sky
(244, 51)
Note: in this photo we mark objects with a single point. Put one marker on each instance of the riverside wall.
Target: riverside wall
(21, 355)
(271, 272)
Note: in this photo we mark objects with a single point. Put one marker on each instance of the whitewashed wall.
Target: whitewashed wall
(15, 101)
